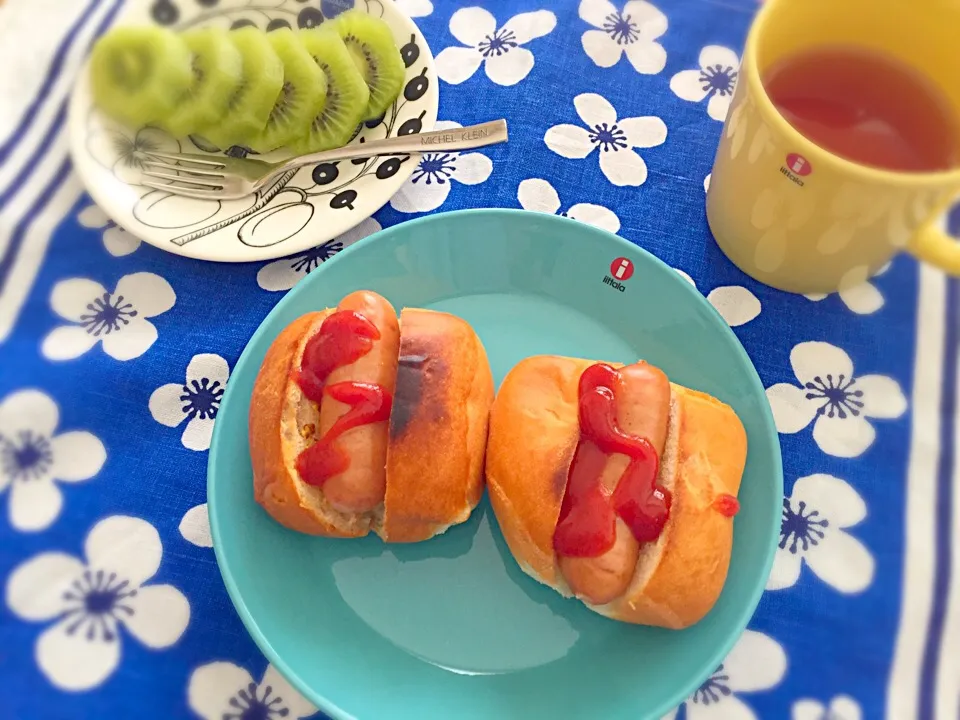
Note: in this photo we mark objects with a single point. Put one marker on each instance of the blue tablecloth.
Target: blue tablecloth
(614, 111)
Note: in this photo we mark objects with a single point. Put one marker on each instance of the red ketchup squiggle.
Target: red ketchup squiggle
(368, 404)
(587, 523)
(343, 338)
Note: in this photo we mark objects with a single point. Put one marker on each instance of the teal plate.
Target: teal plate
(452, 627)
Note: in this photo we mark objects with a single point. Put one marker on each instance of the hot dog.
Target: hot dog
(360, 488)
(644, 410)
(343, 429)
(615, 486)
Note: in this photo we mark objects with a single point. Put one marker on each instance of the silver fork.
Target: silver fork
(216, 177)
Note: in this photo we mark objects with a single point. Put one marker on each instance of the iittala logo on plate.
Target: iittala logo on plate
(620, 271)
(797, 166)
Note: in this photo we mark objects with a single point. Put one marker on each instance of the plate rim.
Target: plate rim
(770, 438)
(76, 128)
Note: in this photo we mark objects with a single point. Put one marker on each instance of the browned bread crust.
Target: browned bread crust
(438, 428)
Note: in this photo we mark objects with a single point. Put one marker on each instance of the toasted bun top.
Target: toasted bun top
(534, 432)
(438, 426)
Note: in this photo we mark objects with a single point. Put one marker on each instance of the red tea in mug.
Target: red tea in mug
(866, 107)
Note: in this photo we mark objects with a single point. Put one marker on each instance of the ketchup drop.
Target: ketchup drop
(368, 403)
(343, 338)
(726, 505)
(587, 526)
(587, 523)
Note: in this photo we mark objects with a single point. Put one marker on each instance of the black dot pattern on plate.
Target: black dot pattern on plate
(207, 3)
(164, 12)
(277, 24)
(325, 173)
(413, 125)
(344, 200)
(309, 17)
(360, 161)
(389, 167)
(417, 87)
(410, 52)
(332, 189)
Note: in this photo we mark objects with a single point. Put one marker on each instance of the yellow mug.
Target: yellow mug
(799, 218)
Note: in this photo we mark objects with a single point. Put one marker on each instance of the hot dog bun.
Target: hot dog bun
(534, 431)
(278, 416)
(435, 441)
(438, 428)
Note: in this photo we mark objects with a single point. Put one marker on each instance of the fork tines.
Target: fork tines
(150, 163)
(202, 160)
(188, 173)
(178, 189)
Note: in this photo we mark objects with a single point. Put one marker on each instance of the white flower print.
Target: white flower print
(853, 207)
(757, 662)
(863, 298)
(538, 195)
(812, 530)
(91, 601)
(197, 400)
(686, 276)
(224, 691)
(415, 8)
(778, 213)
(736, 304)
(837, 402)
(842, 707)
(713, 81)
(283, 274)
(501, 50)
(32, 458)
(737, 126)
(116, 240)
(632, 32)
(430, 183)
(118, 318)
(615, 139)
(195, 526)
(738, 129)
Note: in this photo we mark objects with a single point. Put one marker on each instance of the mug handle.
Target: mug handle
(932, 245)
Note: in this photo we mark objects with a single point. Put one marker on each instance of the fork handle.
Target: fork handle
(473, 136)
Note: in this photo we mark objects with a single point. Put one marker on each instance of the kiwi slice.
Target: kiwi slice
(217, 73)
(249, 107)
(300, 99)
(370, 42)
(347, 98)
(139, 74)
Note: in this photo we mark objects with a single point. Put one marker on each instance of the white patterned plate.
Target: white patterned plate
(300, 210)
